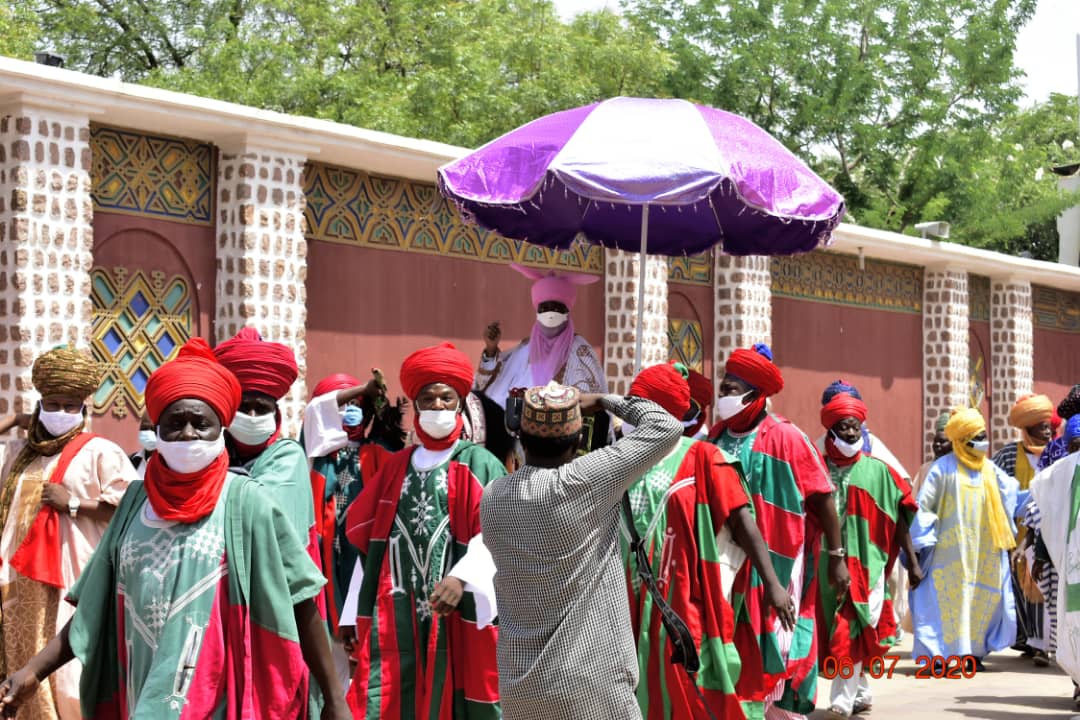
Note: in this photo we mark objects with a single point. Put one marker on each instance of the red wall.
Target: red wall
(1057, 362)
(141, 243)
(370, 308)
(877, 351)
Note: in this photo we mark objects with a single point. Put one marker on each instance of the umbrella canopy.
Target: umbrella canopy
(710, 178)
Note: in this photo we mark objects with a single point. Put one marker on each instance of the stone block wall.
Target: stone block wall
(621, 300)
(1012, 350)
(46, 242)
(743, 293)
(946, 363)
(261, 257)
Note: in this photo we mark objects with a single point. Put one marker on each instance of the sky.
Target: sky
(1045, 49)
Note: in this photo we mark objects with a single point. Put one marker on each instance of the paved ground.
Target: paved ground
(1012, 687)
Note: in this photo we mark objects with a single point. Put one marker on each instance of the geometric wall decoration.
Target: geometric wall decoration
(978, 298)
(355, 208)
(1054, 309)
(139, 324)
(161, 177)
(691, 269)
(834, 278)
(685, 344)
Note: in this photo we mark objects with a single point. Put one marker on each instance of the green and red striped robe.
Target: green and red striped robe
(782, 469)
(451, 674)
(871, 499)
(685, 555)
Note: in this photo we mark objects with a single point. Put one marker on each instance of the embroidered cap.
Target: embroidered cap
(552, 411)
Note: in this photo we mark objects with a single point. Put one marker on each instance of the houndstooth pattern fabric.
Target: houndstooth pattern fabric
(566, 648)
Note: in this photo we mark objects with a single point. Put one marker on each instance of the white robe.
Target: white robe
(510, 369)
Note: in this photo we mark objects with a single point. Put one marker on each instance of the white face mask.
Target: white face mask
(847, 449)
(729, 406)
(982, 446)
(253, 429)
(188, 456)
(59, 423)
(438, 423)
(552, 320)
(148, 440)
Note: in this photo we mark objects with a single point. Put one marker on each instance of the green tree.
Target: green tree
(459, 71)
(18, 31)
(908, 107)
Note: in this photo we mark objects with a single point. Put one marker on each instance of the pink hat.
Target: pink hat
(551, 285)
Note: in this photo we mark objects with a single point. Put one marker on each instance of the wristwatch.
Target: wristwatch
(838, 553)
(73, 505)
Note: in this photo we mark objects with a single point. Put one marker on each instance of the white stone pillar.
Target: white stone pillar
(262, 256)
(46, 241)
(621, 279)
(1012, 351)
(946, 355)
(742, 288)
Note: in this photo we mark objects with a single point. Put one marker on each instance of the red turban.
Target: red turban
(755, 367)
(442, 363)
(701, 389)
(842, 406)
(194, 374)
(335, 382)
(665, 386)
(266, 367)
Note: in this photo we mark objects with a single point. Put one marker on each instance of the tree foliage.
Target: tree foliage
(18, 30)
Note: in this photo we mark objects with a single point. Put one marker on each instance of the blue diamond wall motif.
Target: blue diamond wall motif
(685, 343)
(140, 322)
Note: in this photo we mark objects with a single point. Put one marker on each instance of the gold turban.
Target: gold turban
(965, 424)
(65, 371)
(1029, 411)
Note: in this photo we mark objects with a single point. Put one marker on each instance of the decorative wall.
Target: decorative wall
(1011, 348)
(621, 298)
(139, 323)
(686, 344)
(946, 357)
(355, 208)
(979, 298)
(691, 269)
(1054, 309)
(161, 177)
(743, 306)
(836, 278)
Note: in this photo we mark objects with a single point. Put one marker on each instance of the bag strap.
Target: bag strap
(683, 651)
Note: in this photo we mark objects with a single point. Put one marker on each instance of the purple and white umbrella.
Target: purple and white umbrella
(662, 176)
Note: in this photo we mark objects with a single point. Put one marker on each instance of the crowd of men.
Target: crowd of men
(531, 547)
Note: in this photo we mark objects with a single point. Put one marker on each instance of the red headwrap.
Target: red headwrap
(701, 389)
(441, 363)
(335, 382)
(665, 386)
(842, 406)
(260, 366)
(755, 367)
(194, 374)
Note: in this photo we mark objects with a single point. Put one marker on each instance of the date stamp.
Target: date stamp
(954, 667)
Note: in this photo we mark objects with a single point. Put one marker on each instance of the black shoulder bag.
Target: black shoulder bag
(683, 650)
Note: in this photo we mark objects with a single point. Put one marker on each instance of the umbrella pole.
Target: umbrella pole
(641, 286)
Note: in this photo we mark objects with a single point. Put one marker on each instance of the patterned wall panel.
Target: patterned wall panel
(685, 343)
(355, 208)
(1055, 309)
(836, 278)
(139, 324)
(161, 177)
(979, 298)
(691, 269)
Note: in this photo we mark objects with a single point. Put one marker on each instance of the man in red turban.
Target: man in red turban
(417, 525)
(701, 396)
(204, 542)
(694, 516)
(346, 441)
(790, 489)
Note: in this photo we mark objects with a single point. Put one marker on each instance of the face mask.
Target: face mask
(60, 423)
(847, 449)
(352, 416)
(729, 406)
(148, 440)
(552, 320)
(189, 456)
(981, 446)
(438, 423)
(628, 429)
(253, 429)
